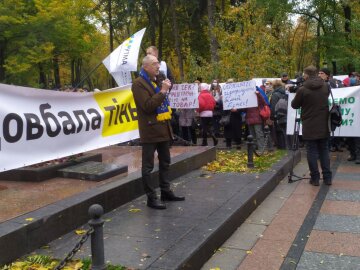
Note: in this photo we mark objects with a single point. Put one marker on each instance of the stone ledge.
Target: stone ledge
(19, 236)
(33, 174)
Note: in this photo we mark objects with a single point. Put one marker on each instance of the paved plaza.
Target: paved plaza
(228, 221)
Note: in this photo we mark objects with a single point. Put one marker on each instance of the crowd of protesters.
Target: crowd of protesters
(207, 120)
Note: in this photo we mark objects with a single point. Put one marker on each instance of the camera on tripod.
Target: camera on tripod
(298, 83)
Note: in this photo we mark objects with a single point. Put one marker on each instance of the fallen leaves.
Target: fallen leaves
(236, 161)
(80, 232)
(134, 210)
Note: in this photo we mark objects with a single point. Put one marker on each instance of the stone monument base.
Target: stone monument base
(92, 170)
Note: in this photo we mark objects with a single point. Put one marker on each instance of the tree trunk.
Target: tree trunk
(42, 77)
(76, 65)
(161, 27)
(2, 60)
(57, 83)
(214, 45)
(151, 12)
(78, 68)
(72, 72)
(347, 15)
(111, 36)
(318, 45)
(177, 39)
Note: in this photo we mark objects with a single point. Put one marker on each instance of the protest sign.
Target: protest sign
(239, 95)
(349, 100)
(184, 96)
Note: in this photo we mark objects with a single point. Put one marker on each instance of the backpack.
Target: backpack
(281, 109)
(335, 117)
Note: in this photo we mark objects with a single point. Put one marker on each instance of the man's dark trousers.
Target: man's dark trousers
(318, 149)
(148, 151)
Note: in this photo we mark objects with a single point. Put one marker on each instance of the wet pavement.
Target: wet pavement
(185, 234)
(300, 226)
(20, 197)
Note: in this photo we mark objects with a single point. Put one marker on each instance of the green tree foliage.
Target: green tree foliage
(39, 33)
(334, 28)
(56, 42)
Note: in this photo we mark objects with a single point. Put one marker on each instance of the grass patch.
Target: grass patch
(44, 262)
(236, 161)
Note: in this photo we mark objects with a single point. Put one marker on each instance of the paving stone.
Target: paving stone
(323, 261)
(245, 236)
(225, 258)
(343, 195)
(284, 190)
(266, 211)
(337, 223)
(137, 252)
(347, 176)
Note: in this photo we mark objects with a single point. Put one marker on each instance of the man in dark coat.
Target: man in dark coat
(312, 98)
(154, 116)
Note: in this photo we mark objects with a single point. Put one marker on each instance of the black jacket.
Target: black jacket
(277, 94)
(312, 98)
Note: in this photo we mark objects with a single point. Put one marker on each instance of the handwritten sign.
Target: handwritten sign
(239, 95)
(184, 96)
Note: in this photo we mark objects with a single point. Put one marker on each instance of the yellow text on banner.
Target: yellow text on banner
(119, 112)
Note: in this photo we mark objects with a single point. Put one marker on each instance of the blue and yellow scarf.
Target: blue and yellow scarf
(163, 111)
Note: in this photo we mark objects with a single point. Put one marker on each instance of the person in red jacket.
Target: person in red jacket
(206, 111)
(255, 122)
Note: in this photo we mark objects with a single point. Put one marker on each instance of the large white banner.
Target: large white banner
(239, 95)
(39, 125)
(184, 96)
(349, 99)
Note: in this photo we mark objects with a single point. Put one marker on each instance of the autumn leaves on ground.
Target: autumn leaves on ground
(236, 161)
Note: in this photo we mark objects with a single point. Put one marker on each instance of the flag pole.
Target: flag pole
(87, 75)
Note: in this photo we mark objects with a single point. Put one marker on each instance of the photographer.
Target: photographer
(312, 98)
(324, 73)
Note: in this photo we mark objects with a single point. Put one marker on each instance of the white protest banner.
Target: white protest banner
(349, 99)
(239, 95)
(184, 96)
(340, 77)
(39, 125)
(258, 81)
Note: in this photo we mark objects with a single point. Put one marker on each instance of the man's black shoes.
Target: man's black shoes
(170, 196)
(328, 182)
(314, 182)
(156, 204)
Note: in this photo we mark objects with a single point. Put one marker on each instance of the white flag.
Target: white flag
(122, 77)
(125, 57)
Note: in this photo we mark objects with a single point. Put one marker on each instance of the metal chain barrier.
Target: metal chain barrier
(266, 141)
(77, 247)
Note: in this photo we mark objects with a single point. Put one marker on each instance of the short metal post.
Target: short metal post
(266, 131)
(250, 151)
(266, 137)
(97, 239)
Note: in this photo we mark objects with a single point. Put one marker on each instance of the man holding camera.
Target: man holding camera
(312, 98)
